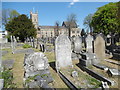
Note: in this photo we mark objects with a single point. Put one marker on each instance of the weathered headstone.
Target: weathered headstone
(77, 44)
(15, 42)
(12, 44)
(99, 47)
(89, 43)
(63, 52)
(36, 65)
(1, 84)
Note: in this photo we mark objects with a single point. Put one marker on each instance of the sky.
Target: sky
(50, 12)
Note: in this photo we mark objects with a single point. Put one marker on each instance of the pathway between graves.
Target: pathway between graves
(18, 70)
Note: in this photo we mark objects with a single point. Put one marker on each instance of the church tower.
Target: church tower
(34, 18)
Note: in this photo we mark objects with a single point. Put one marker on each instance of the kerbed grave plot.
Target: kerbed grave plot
(81, 79)
(106, 73)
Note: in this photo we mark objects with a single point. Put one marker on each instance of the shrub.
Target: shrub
(26, 46)
(8, 79)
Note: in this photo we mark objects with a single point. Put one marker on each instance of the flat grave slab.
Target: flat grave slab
(113, 72)
(24, 51)
(8, 63)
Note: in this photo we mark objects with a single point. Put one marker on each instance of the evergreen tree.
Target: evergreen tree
(21, 27)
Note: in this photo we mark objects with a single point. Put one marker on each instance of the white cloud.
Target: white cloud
(73, 2)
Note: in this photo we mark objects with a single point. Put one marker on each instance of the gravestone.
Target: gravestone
(15, 42)
(63, 51)
(1, 84)
(89, 43)
(36, 65)
(12, 44)
(99, 47)
(77, 45)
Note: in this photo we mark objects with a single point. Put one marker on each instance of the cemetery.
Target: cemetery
(41, 64)
(33, 56)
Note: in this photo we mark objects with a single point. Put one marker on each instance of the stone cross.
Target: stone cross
(99, 47)
(63, 52)
(89, 43)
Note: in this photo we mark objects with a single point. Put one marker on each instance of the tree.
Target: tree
(57, 24)
(105, 19)
(8, 14)
(87, 22)
(21, 27)
(70, 20)
(118, 15)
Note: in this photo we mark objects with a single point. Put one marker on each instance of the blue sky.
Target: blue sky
(49, 12)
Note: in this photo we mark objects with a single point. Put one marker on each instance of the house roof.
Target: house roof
(50, 27)
(66, 24)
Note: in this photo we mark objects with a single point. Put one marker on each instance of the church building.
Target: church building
(50, 31)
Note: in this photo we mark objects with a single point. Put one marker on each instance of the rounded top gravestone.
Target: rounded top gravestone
(99, 47)
(63, 51)
(89, 43)
(77, 44)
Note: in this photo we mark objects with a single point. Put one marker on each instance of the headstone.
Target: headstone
(15, 42)
(63, 51)
(89, 43)
(1, 84)
(77, 44)
(99, 47)
(36, 65)
(12, 44)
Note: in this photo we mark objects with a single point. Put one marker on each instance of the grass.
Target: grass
(117, 43)
(50, 56)
(83, 78)
(18, 69)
